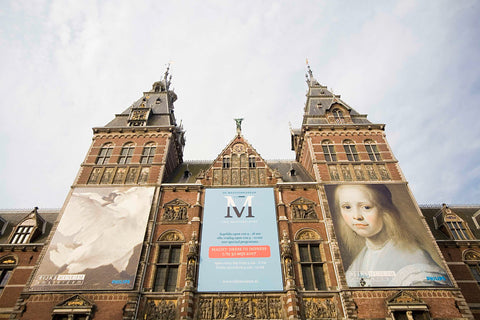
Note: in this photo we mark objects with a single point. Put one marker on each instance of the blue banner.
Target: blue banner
(239, 243)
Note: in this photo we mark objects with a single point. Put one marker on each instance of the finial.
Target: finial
(310, 73)
(239, 125)
(166, 77)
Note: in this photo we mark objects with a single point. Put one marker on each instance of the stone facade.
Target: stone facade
(143, 148)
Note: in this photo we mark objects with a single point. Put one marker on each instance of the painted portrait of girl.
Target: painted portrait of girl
(382, 238)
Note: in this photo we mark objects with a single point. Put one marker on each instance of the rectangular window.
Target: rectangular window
(104, 155)
(312, 266)
(21, 235)
(4, 276)
(167, 268)
(126, 155)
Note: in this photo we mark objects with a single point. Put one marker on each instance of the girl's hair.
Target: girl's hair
(406, 230)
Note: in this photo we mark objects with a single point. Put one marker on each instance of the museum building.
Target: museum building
(333, 234)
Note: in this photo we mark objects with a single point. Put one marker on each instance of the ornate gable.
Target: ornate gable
(403, 299)
(239, 164)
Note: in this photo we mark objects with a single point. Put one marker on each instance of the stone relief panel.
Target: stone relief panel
(303, 209)
(161, 310)
(175, 211)
(319, 308)
(358, 172)
(171, 236)
(239, 308)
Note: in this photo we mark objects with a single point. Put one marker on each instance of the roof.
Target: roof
(14, 216)
(468, 213)
(189, 170)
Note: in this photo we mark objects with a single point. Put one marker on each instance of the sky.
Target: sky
(67, 66)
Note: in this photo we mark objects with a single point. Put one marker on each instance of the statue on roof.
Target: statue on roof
(239, 125)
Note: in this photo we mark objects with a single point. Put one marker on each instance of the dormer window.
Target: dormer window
(452, 224)
(27, 228)
(338, 116)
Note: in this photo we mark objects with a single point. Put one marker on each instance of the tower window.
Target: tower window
(312, 266)
(372, 150)
(329, 151)
(104, 154)
(148, 153)
(251, 162)
(167, 268)
(226, 163)
(126, 154)
(338, 116)
(350, 150)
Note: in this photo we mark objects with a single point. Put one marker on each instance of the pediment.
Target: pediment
(307, 235)
(76, 301)
(404, 298)
(302, 201)
(176, 203)
(171, 236)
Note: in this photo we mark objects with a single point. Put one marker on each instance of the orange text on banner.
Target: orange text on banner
(239, 252)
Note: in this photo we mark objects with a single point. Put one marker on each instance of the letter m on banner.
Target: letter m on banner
(231, 205)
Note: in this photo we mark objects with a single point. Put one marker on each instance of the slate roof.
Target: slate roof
(468, 213)
(284, 167)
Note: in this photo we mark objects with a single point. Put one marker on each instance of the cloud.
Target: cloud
(72, 65)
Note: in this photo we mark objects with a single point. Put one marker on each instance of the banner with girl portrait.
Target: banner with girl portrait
(382, 238)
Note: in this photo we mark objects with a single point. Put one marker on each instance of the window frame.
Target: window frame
(165, 284)
(226, 163)
(148, 153)
(126, 154)
(338, 115)
(314, 281)
(252, 162)
(22, 233)
(372, 150)
(104, 154)
(351, 150)
(329, 151)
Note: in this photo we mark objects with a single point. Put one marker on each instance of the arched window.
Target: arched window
(23, 231)
(104, 154)
(148, 153)
(226, 162)
(372, 150)
(7, 264)
(338, 116)
(251, 162)
(311, 261)
(472, 259)
(126, 153)
(329, 151)
(168, 262)
(350, 150)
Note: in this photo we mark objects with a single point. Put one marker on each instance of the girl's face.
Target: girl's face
(359, 210)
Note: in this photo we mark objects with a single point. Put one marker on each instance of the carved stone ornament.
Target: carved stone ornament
(471, 255)
(307, 235)
(9, 260)
(175, 211)
(78, 302)
(171, 236)
(161, 310)
(404, 298)
(320, 308)
(303, 209)
(239, 308)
